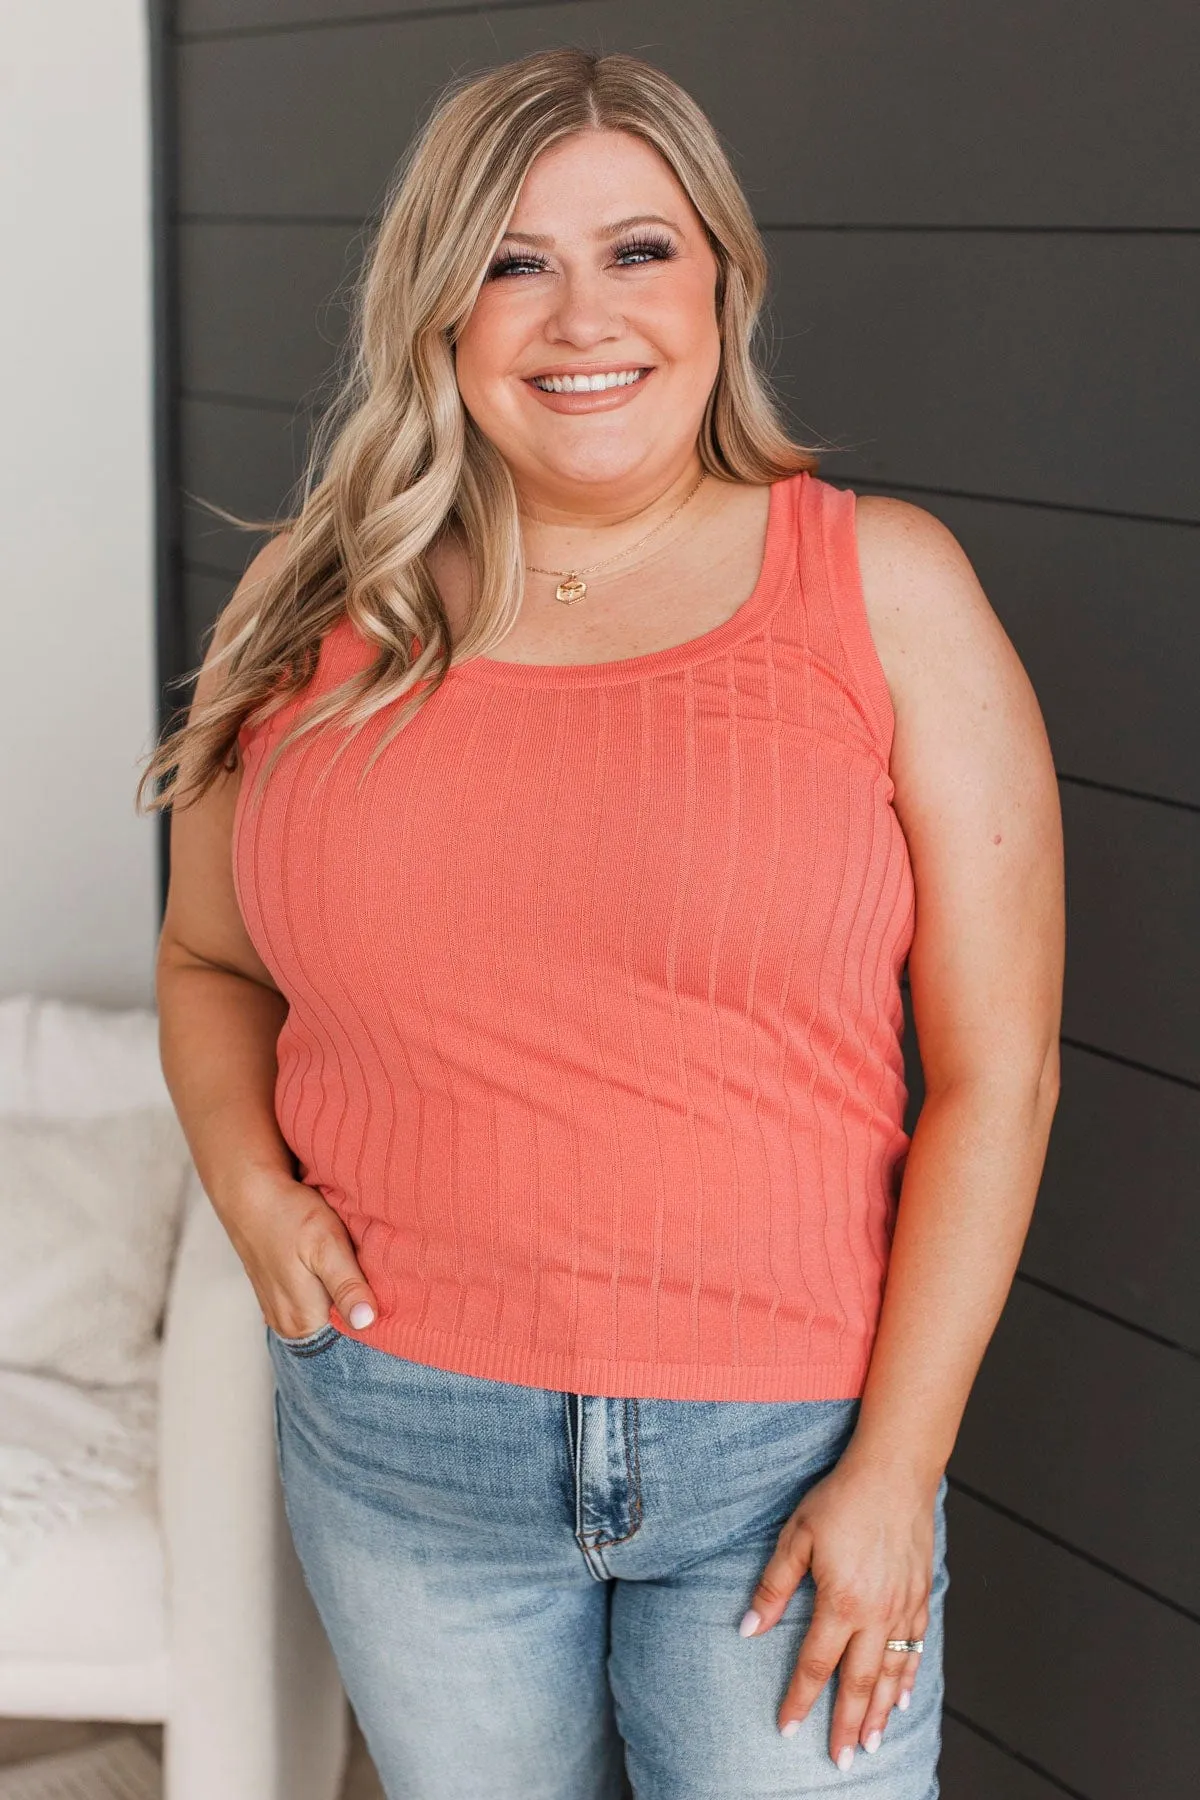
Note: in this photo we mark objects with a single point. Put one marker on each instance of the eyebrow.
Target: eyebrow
(534, 237)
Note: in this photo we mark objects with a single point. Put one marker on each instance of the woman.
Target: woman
(562, 797)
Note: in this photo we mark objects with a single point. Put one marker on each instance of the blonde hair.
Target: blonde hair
(396, 459)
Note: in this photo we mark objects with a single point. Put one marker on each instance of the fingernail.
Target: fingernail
(903, 1701)
(845, 1757)
(873, 1742)
(790, 1729)
(750, 1623)
(362, 1315)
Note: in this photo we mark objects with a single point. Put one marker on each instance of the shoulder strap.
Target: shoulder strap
(830, 569)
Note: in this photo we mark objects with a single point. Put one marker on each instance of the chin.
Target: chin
(596, 466)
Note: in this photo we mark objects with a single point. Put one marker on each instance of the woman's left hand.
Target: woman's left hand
(867, 1534)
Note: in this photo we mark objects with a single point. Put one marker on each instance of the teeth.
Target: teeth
(582, 384)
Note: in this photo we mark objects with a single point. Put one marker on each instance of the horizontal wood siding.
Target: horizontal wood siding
(983, 232)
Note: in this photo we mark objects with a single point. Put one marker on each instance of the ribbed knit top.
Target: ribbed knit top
(594, 1024)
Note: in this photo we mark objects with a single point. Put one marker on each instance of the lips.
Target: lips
(590, 400)
(596, 381)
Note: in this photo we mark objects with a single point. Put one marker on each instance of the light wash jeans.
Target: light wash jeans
(535, 1595)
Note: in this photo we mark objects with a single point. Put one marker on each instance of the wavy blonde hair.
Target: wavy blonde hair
(396, 459)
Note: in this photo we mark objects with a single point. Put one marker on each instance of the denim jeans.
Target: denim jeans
(535, 1595)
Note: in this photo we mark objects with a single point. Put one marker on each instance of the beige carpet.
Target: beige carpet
(22, 1739)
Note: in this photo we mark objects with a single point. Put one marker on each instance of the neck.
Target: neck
(574, 520)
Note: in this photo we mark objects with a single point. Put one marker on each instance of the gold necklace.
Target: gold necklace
(571, 590)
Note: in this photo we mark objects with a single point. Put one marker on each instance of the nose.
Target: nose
(583, 312)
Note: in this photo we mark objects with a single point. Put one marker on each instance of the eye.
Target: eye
(652, 247)
(506, 264)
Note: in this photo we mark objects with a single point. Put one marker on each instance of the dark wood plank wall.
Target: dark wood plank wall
(983, 230)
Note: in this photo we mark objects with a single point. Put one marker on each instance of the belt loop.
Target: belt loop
(579, 1464)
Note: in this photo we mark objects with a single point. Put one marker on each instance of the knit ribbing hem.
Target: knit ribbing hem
(560, 1371)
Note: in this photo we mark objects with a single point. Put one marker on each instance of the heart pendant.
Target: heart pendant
(570, 590)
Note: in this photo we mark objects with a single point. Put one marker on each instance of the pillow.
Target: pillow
(68, 1059)
(90, 1211)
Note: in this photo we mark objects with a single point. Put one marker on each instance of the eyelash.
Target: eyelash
(660, 248)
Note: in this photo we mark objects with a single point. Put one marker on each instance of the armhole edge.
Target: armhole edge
(844, 576)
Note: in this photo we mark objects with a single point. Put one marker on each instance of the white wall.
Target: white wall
(78, 907)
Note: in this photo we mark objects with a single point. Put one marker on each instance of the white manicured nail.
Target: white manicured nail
(845, 1757)
(750, 1623)
(873, 1742)
(361, 1315)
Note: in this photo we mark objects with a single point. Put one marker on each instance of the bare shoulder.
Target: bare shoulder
(971, 758)
(952, 670)
(976, 794)
(925, 605)
(260, 567)
(202, 920)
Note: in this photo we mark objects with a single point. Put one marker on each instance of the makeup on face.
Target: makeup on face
(585, 308)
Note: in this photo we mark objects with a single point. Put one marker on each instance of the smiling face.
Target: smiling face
(606, 275)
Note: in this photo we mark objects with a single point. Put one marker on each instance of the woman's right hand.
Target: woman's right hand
(299, 1257)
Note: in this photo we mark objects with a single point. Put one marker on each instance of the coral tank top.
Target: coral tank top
(594, 1027)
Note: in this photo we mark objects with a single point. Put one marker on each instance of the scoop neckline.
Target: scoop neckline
(750, 614)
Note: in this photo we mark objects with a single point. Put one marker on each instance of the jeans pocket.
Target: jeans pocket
(311, 1344)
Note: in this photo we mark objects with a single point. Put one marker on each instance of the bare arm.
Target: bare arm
(977, 798)
(220, 1014)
